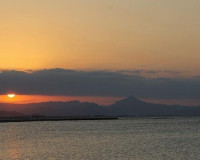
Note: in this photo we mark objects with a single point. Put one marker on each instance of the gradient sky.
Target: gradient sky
(105, 34)
(151, 38)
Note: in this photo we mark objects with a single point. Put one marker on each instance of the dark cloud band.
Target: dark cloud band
(97, 83)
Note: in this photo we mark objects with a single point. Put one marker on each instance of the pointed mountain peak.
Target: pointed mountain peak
(129, 100)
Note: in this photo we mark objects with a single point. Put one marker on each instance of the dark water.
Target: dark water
(131, 139)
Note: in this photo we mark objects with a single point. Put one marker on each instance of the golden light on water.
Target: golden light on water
(11, 95)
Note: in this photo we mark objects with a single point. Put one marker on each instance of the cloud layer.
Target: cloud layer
(97, 83)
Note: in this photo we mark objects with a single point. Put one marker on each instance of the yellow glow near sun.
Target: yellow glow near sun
(11, 95)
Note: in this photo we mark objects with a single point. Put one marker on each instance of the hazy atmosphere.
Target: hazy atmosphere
(106, 34)
(99, 79)
(107, 48)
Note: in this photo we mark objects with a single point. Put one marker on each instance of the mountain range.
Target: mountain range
(130, 106)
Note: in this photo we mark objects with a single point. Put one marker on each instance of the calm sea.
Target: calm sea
(131, 139)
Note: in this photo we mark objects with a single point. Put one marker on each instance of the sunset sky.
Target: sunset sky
(105, 48)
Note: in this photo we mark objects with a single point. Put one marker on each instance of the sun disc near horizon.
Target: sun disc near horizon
(11, 95)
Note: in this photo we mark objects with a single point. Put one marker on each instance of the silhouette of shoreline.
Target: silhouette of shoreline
(32, 119)
(128, 107)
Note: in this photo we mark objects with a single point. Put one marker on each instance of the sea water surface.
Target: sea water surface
(123, 139)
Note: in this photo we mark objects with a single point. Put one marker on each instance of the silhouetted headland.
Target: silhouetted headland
(75, 110)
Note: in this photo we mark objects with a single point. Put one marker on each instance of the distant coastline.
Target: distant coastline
(32, 119)
(52, 118)
(128, 107)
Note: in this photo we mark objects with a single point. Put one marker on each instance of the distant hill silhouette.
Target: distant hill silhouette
(11, 114)
(72, 108)
(130, 106)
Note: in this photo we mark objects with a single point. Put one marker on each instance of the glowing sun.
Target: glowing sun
(11, 95)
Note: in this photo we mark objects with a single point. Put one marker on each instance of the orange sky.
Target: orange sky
(21, 99)
(106, 34)
(99, 35)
